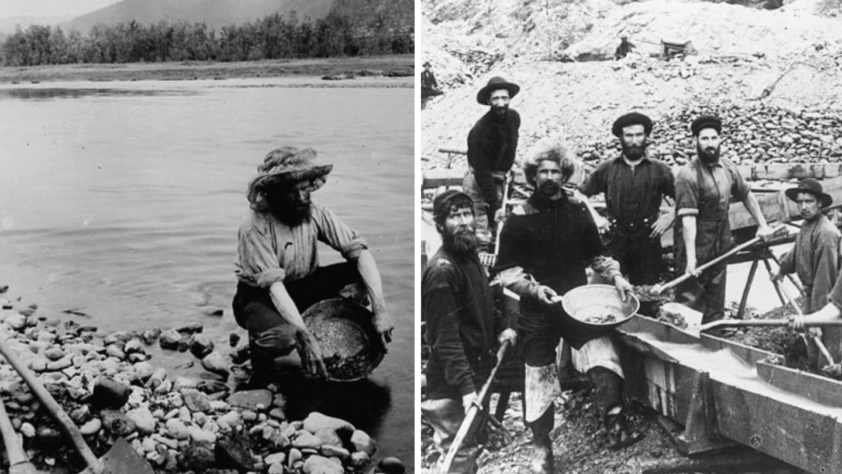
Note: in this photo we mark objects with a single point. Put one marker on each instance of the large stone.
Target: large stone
(305, 439)
(363, 442)
(234, 453)
(250, 399)
(391, 465)
(170, 339)
(109, 393)
(195, 400)
(177, 429)
(143, 419)
(317, 421)
(329, 436)
(191, 328)
(216, 363)
(201, 346)
(91, 427)
(322, 465)
(229, 421)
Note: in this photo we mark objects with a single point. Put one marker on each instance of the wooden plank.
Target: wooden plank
(813, 387)
(784, 171)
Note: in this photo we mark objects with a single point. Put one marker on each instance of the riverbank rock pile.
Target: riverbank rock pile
(108, 386)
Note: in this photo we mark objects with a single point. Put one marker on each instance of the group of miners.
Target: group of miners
(549, 241)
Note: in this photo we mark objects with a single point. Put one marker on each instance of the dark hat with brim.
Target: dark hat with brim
(427, 63)
(810, 186)
(706, 121)
(284, 167)
(496, 83)
(443, 202)
(629, 119)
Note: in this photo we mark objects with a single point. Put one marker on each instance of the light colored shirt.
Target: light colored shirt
(270, 251)
(708, 198)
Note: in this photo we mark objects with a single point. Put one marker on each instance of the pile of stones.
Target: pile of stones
(180, 424)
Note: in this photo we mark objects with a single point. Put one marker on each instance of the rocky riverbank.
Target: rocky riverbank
(110, 387)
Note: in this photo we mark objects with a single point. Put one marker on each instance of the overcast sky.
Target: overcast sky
(46, 8)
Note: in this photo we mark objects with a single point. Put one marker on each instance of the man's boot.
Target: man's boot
(608, 391)
(542, 457)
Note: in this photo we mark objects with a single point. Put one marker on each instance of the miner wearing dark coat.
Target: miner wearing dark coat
(634, 185)
(814, 257)
(545, 247)
(462, 327)
(492, 144)
(703, 191)
(429, 85)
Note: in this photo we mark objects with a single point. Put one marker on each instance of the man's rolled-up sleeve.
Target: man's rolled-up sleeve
(257, 258)
(686, 194)
(339, 236)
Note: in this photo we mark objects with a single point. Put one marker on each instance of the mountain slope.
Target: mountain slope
(214, 13)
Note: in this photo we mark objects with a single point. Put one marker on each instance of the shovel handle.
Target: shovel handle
(10, 438)
(465, 427)
(55, 409)
(764, 323)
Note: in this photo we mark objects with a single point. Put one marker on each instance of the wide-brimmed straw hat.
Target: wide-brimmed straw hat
(284, 167)
(810, 186)
(496, 83)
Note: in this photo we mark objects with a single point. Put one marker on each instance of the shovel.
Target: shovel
(18, 463)
(468, 422)
(816, 339)
(698, 289)
(120, 459)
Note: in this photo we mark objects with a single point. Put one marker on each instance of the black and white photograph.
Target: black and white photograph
(207, 233)
(630, 236)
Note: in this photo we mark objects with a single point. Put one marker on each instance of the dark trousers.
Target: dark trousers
(255, 311)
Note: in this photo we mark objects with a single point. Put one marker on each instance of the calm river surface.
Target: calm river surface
(122, 201)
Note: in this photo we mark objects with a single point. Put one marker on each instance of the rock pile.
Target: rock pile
(753, 134)
(110, 389)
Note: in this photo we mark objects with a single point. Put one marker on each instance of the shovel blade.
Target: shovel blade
(123, 459)
(24, 468)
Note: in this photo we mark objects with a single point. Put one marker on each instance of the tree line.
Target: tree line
(273, 37)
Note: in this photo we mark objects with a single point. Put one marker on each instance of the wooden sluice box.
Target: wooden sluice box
(723, 391)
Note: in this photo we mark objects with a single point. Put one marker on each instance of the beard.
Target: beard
(461, 242)
(500, 110)
(549, 188)
(708, 155)
(292, 215)
(634, 153)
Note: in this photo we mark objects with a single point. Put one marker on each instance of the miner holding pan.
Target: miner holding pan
(545, 247)
(703, 191)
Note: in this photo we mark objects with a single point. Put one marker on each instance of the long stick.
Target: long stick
(467, 423)
(55, 409)
(503, 220)
(816, 339)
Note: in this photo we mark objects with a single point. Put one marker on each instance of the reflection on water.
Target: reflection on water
(74, 93)
(123, 200)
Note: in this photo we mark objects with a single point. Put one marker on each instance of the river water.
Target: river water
(121, 201)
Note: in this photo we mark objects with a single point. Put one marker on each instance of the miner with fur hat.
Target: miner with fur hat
(634, 185)
(278, 269)
(703, 191)
(462, 327)
(492, 146)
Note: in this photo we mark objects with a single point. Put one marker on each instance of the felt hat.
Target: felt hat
(286, 166)
(496, 83)
(706, 121)
(632, 118)
(442, 203)
(427, 63)
(811, 186)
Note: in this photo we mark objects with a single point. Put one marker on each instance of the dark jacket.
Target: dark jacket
(492, 144)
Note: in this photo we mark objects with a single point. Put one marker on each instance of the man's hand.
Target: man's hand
(796, 323)
(623, 286)
(765, 232)
(603, 225)
(384, 326)
(662, 224)
(776, 276)
(278, 341)
(691, 267)
(508, 334)
(546, 294)
(469, 400)
(311, 354)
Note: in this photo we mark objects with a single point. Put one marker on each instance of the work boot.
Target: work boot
(542, 456)
(618, 434)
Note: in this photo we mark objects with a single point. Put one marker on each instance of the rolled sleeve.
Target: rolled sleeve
(258, 263)
(339, 236)
(686, 193)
